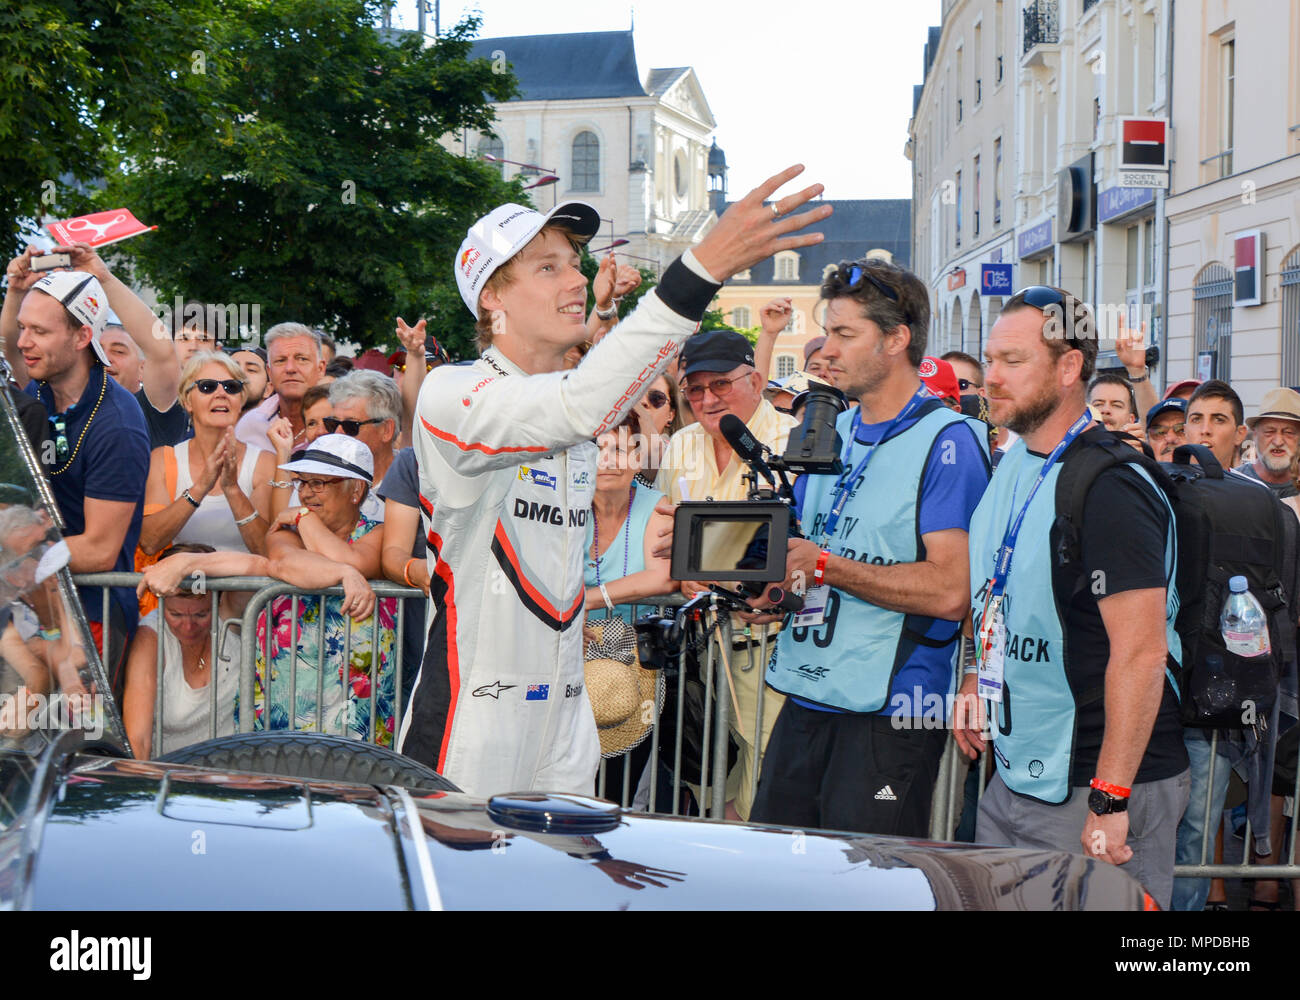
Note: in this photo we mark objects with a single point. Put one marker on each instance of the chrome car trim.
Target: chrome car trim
(427, 876)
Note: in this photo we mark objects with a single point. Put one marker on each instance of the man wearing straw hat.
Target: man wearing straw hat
(1276, 429)
(507, 470)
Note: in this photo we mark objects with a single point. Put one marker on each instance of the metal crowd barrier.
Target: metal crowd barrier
(708, 785)
(950, 800)
(261, 591)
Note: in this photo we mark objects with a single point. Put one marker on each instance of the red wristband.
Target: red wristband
(820, 569)
(1118, 791)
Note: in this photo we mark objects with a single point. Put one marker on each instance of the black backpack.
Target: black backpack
(1226, 526)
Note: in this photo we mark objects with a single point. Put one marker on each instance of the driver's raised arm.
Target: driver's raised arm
(471, 422)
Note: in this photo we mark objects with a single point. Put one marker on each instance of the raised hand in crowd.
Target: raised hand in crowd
(773, 318)
(613, 281)
(162, 371)
(1130, 349)
(413, 340)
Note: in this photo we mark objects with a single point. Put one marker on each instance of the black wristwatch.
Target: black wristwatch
(1101, 803)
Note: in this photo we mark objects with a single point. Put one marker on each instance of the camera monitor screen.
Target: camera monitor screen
(730, 541)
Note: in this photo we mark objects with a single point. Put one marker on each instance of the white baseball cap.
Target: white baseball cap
(335, 455)
(503, 232)
(83, 296)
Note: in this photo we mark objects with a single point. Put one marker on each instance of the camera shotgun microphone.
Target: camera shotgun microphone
(745, 445)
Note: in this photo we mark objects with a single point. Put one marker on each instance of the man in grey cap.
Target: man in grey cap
(1276, 429)
(719, 378)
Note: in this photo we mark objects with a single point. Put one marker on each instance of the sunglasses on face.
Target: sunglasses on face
(719, 387)
(1173, 430)
(208, 386)
(314, 485)
(964, 383)
(854, 274)
(350, 427)
(655, 399)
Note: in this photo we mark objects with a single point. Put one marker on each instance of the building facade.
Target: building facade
(635, 149)
(1018, 123)
(1234, 209)
(858, 228)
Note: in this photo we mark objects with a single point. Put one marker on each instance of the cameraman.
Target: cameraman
(858, 741)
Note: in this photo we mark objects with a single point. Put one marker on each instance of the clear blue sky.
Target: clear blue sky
(826, 84)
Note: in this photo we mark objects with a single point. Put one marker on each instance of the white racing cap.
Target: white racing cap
(503, 232)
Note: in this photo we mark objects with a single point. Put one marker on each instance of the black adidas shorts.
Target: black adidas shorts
(839, 771)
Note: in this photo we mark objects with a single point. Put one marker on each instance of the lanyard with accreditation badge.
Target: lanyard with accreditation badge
(990, 648)
(816, 599)
(843, 487)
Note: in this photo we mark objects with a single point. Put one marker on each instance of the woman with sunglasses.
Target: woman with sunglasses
(660, 411)
(623, 530)
(212, 489)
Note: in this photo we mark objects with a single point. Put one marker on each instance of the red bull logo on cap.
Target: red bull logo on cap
(467, 260)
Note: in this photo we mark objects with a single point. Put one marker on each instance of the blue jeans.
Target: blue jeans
(1194, 830)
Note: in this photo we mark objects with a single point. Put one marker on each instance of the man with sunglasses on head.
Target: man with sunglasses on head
(1074, 656)
(507, 469)
(884, 566)
(98, 457)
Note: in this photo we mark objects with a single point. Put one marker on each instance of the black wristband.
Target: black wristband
(685, 292)
(193, 503)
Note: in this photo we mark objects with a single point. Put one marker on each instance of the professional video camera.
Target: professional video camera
(745, 541)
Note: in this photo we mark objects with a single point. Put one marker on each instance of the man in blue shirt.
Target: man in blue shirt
(98, 458)
(858, 741)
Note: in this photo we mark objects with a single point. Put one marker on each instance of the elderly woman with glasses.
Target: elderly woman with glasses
(212, 489)
(333, 477)
(327, 541)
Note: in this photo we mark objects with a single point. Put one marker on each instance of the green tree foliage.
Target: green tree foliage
(75, 72)
(300, 170)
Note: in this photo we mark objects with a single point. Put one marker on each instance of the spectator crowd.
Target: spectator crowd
(172, 452)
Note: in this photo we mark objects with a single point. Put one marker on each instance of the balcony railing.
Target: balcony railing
(1042, 24)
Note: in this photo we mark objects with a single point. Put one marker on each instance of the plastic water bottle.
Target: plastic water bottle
(1244, 624)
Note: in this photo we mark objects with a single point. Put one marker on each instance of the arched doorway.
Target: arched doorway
(954, 328)
(974, 328)
(1212, 295)
(1291, 318)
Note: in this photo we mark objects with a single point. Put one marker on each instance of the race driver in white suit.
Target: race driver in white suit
(507, 467)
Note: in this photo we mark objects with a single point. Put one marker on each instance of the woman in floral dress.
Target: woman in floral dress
(333, 477)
